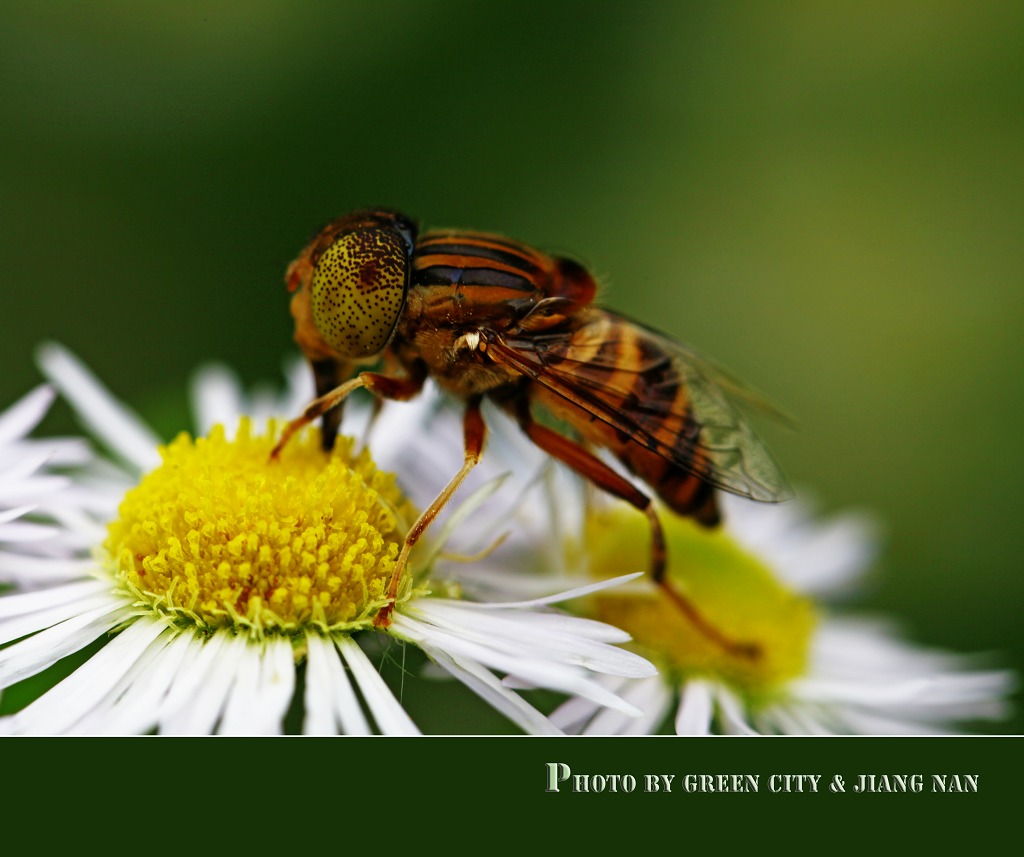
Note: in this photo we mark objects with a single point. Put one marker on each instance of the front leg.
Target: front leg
(474, 431)
(382, 386)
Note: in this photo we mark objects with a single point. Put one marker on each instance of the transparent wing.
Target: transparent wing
(655, 392)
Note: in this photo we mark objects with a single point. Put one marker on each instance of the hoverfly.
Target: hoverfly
(483, 315)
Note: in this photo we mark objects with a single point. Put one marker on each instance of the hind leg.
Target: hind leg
(591, 468)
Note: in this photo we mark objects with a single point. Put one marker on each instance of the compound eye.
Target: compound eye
(358, 290)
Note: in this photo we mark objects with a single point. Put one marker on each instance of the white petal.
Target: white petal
(695, 709)
(29, 602)
(731, 712)
(391, 433)
(299, 390)
(540, 636)
(488, 688)
(241, 702)
(58, 451)
(216, 398)
(648, 695)
(943, 696)
(828, 557)
(262, 691)
(330, 700)
(176, 715)
(278, 683)
(387, 711)
(16, 627)
(27, 531)
(869, 723)
(542, 673)
(653, 698)
(111, 421)
(262, 406)
(816, 556)
(574, 714)
(13, 514)
(32, 572)
(205, 709)
(792, 720)
(73, 698)
(133, 707)
(568, 595)
(34, 654)
(465, 508)
(16, 475)
(80, 529)
(319, 716)
(20, 489)
(24, 415)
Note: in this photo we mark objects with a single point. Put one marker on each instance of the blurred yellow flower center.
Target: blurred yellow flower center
(733, 590)
(221, 535)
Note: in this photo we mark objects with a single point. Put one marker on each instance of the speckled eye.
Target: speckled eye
(358, 290)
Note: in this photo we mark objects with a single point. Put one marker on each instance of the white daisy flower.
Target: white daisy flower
(816, 673)
(215, 571)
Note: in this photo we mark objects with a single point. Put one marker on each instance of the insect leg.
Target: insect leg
(591, 468)
(382, 386)
(327, 374)
(473, 432)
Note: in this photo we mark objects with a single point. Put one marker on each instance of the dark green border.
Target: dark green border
(377, 794)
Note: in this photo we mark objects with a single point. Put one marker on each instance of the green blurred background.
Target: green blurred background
(828, 197)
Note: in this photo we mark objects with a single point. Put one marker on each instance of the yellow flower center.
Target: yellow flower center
(732, 589)
(221, 535)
